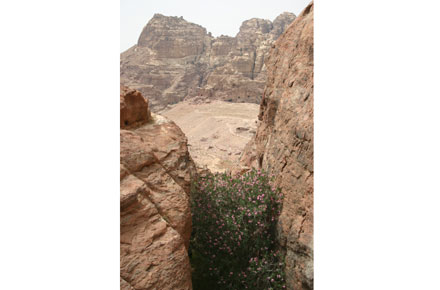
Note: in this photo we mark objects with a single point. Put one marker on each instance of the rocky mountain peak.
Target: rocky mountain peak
(255, 25)
(281, 22)
(176, 60)
(172, 37)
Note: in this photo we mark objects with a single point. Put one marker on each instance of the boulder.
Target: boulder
(134, 108)
(156, 172)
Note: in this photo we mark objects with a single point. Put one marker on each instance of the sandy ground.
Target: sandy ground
(217, 132)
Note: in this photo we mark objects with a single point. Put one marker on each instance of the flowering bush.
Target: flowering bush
(234, 220)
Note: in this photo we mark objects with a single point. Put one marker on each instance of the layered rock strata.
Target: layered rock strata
(175, 59)
(284, 143)
(156, 171)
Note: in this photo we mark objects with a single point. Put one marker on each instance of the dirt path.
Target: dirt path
(217, 132)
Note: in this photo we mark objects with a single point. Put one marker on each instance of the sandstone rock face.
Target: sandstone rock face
(175, 59)
(284, 143)
(156, 170)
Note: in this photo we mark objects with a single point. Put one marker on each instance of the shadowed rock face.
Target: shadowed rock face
(284, 143)
(155, 212)
(175, 59)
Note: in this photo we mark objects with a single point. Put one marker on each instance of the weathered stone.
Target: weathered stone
(284, 143)
(173, 37)
(134, 108)
(156, 170)
(175, 59)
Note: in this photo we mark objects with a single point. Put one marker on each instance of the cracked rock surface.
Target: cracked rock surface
(284, 143)
(156, 170)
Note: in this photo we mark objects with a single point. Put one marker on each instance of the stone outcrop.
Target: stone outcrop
(175, 59)
(134, 108)
(156, 171)
(284, 143)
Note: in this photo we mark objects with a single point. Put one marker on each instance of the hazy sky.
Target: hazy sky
(218, 17)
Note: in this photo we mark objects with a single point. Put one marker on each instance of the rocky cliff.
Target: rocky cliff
(284, 143)
(175, 59)
(155, 211)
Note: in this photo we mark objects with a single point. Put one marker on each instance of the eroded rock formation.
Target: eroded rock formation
(284, 143)
(156, 170)
(175, 59)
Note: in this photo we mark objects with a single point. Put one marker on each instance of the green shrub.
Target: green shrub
(233, 242)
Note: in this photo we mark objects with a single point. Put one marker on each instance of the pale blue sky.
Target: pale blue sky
(218, 17)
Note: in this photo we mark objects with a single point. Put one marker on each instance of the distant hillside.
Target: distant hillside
(175, 59)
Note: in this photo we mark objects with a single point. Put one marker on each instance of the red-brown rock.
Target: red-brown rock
(156, 171)
(134, 108)
(284, 143)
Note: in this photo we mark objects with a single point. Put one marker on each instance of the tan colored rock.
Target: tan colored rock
(172, 37)
(284, 143)
(156, 171)
(175, 59)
